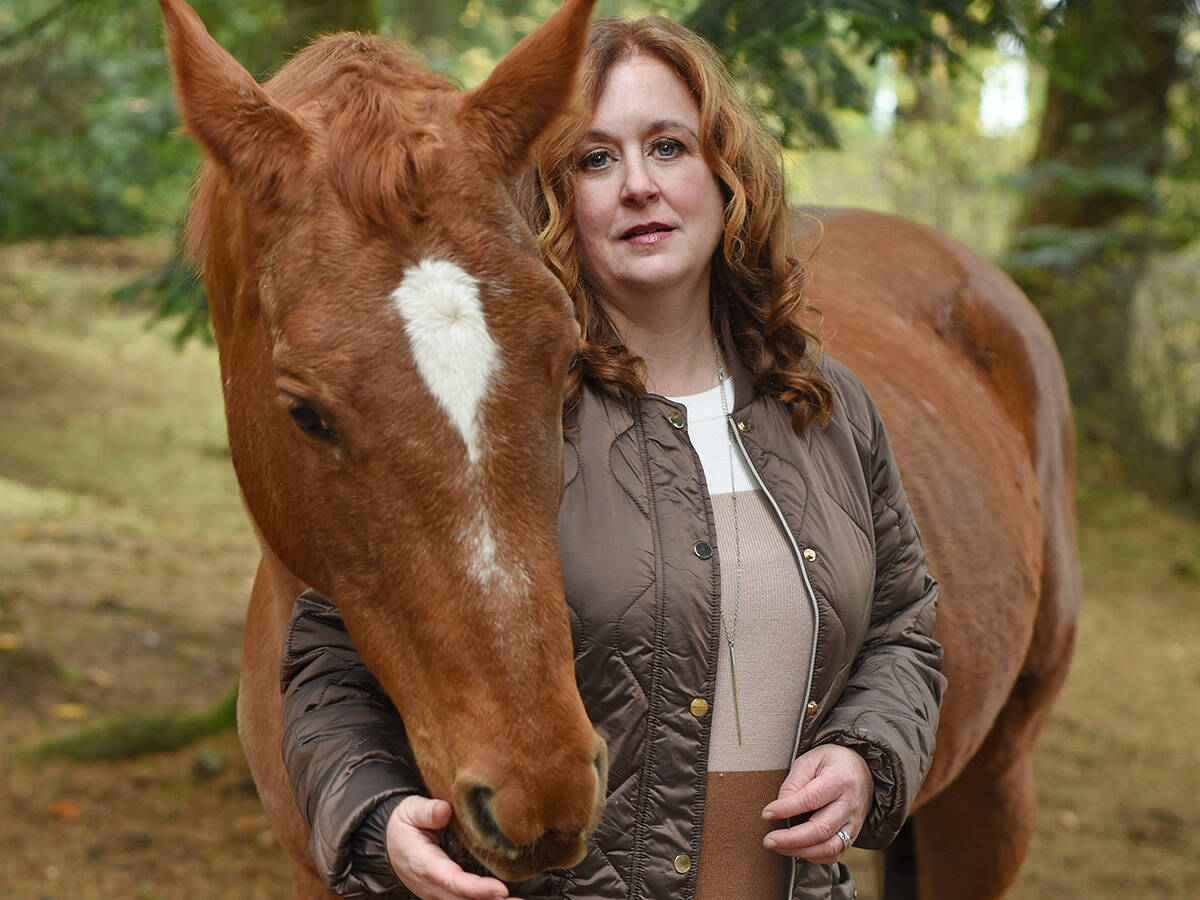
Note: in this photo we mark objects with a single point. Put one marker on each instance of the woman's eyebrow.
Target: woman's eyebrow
(600, 135)
(671, 125)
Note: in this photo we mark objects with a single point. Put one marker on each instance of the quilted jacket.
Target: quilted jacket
(644, 611)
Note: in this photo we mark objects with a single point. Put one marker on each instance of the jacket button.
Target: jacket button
(809, 554)
(811, 708)
(743, 425)
(699, 707)
(702, 549)
(683, 864)
(676, 418)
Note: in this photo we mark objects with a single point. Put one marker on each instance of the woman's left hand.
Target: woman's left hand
(835, 785)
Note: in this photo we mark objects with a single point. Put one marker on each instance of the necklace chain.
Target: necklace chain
(731, 631)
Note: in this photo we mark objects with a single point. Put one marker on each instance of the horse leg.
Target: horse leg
(972, 837)
(900, 865)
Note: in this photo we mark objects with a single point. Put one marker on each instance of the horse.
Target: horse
(971, 389)
(378, 304)
(393, 355)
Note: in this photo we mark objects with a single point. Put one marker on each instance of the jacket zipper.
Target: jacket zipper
(812, 659)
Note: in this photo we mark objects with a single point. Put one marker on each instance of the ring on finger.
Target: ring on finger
(846, 842)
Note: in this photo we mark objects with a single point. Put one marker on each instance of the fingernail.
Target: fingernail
(767, 814)
(769, 843)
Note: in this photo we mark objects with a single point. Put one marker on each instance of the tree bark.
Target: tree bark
(1087, 227)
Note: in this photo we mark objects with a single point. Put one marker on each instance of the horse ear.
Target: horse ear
(224, 108)
(529, 86)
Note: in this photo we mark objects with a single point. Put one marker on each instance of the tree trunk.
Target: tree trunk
(1088, 223)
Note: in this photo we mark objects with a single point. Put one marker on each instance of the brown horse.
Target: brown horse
(971, 389)
(379, 306)
(393, 356)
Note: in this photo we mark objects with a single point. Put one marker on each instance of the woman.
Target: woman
(776, 708)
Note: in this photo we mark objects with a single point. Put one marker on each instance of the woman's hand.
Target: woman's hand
(835, 785)
(421, 864)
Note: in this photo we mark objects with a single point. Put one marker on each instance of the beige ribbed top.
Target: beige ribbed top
(773, 646)
(772, 639)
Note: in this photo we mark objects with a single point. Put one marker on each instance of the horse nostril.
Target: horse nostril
(479, 807)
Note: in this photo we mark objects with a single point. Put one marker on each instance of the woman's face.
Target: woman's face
(648, 209)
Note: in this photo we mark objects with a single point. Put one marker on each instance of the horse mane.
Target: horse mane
(374, 107)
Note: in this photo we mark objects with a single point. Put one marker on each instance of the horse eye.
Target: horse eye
(310, 421)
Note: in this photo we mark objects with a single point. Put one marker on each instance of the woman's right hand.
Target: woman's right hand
(419, 861)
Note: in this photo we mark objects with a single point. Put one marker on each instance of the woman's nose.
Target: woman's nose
(638, 186)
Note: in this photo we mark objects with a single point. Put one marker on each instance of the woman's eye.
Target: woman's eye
(597, 159)
(310, 422)
(666, 148)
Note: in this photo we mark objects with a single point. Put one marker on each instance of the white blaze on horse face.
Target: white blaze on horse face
(449, 340)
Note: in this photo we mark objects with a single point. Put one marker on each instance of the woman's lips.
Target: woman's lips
(645, 235)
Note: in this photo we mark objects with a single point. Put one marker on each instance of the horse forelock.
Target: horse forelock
(382, 151)
(379, 109)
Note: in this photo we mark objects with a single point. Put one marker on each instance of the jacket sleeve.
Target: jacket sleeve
(888, 710)
(345, 750)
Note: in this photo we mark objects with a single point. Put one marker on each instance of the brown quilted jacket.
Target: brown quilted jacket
(645, 621)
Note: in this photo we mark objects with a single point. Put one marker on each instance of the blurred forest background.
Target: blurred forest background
(1058, 138)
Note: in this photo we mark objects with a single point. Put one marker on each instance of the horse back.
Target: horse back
(971, 390)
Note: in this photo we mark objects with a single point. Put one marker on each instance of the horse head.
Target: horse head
(393, 356)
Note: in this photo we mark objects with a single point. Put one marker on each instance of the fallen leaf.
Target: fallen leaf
(68, 710)
(66, 810)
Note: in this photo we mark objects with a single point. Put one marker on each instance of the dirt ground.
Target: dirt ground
(125, 563)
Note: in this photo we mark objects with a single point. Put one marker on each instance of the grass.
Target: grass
(126, 559)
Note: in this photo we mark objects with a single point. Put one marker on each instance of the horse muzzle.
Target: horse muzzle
(517, 833)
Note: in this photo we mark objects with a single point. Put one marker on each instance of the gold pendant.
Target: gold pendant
(737, 712)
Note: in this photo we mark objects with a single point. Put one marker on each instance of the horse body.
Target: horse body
(971, 389)
(353, 218)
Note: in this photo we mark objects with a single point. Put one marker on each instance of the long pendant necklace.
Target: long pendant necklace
(731, 632)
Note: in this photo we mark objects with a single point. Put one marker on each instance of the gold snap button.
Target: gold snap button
(683, 864)
(702, 549)
(809, 554)
(699, 707)
(811, 708)
(743, 425)
(676, 418)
